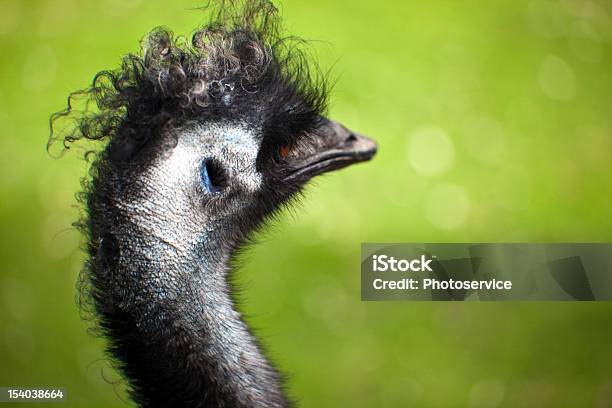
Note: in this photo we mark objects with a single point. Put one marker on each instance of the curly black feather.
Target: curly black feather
(237, 67)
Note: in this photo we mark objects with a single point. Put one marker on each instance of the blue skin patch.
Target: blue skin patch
(205, 178)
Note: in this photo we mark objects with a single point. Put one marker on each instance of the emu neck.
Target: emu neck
(175, 331)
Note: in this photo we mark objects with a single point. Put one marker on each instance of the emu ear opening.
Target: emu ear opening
(332, 146)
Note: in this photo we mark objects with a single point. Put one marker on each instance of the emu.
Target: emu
(201, 142)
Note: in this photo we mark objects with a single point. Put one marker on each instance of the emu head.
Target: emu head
(201, 142)
(223, 129)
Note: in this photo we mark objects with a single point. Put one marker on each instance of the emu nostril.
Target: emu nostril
(351, 138)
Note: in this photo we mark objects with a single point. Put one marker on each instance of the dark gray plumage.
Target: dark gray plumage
(205, 142)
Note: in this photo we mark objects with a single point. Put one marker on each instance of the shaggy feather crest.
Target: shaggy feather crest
(236, 67)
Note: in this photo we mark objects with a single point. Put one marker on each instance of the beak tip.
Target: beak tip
(366, 148)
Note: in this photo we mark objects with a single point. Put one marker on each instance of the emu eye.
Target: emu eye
(284, 151)
(212, 176)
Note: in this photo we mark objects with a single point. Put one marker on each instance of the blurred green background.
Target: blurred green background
(495, 124)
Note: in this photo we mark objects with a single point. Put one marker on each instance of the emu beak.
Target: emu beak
(334, 147)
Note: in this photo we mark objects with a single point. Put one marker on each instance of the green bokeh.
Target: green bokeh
(495, 124)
